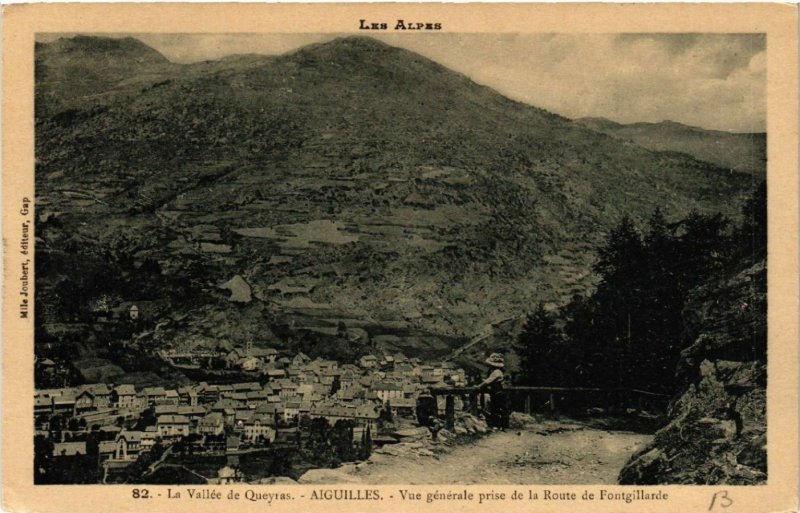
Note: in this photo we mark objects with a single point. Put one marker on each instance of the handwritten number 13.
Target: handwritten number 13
(722, 499)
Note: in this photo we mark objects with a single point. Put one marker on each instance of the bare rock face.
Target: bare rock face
(715, 436)
(717, 427)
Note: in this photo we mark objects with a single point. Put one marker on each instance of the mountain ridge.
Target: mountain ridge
(740, 151)
(400, 197)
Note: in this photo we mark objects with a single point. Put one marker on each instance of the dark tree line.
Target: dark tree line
(630, 331)
(330, 445)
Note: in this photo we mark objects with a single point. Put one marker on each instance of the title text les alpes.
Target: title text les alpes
(399, 25)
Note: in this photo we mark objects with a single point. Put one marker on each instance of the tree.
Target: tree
(42, 457)
(56, 423)
(622, 254)
(366, 443)
(336, 385)
(752, 234)
(385, 415)
(318, 445)
(537, 346)
(342, 440)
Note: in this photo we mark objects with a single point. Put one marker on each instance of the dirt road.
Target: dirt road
(552, 452)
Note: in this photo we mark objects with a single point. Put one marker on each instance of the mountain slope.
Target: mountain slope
(348, 181)
(746, 153)
(78, 71)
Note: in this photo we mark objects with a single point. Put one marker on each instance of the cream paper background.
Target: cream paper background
(779, 22)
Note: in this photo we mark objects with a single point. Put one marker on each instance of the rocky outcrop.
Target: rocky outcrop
(717, 427)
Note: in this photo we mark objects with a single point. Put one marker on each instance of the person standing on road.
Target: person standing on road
(498, 409)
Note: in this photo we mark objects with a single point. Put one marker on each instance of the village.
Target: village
(118, 425)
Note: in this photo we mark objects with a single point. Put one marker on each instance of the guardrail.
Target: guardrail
(528, 399)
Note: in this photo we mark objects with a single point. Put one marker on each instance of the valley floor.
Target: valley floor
(550, 452)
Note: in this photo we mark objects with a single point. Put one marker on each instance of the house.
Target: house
(207, 394)
(139, 401)
(274, 410)
(388, 392)
(246, 387)
(241, 417)
(258, 397)
(187, 396)
(275, 373)
(404, 369)
(101, 393)
(404, 406)
(224, 390)
(101, 417)
(172, 426)
(348, 378)
(111, 429)
(192, 412)
(259, 427)
(291, 410)
(232, 443)
(250, 364)
(293, 371)
(69, 448)
(211, 424)
(124, 396)
(234, 356)
(286, 388)
(266, 354)
(106, 450)
(300, 359)
(165, 409)
(155, 395)
(305, 391)
(171, 397)
(42, 405)
(240, 398)
(129, 445)
(64, 404)
(149, 438)
(364, 415)
(368, 361)
(349, 394)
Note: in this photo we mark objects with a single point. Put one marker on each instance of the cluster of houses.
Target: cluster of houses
(233, 417)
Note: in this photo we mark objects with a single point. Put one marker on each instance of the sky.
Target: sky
(715, 81)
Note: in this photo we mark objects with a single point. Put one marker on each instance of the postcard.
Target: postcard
(400, 257)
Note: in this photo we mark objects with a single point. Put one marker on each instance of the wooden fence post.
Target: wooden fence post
(473, 403)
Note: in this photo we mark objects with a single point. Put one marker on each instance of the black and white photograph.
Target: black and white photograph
(376, 258)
